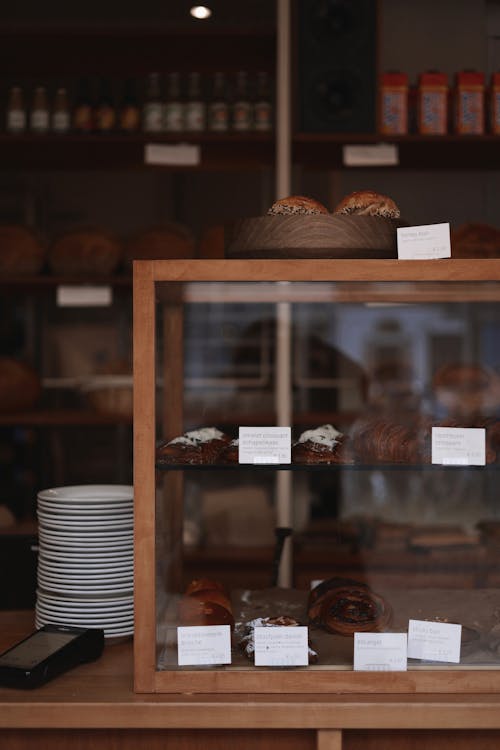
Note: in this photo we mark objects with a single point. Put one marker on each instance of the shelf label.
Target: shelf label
(85, 295)
(281, 646)
(265, 445)
(175, 154)
(203, 644)
(370, 155)
(459, 446)
(434, 641)
(425, 242)
(380, 652)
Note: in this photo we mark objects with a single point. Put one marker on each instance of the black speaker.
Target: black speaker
(337, 65)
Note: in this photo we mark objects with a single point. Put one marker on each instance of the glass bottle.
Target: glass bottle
(218, 108)
(242, 108)
(83, 114)
(196, 108)
(60, 112)
(39, 116)
(16, 111)
(174, 106)
(152, 113)
(129, 116)
(263, 108)
(105, 113)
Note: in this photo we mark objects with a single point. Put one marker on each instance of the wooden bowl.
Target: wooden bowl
(317, 236)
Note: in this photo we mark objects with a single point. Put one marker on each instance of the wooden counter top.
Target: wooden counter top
(100, 695)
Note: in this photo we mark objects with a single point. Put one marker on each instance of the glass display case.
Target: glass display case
(316, 457)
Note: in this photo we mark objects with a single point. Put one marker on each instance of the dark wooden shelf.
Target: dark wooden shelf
(44, 280)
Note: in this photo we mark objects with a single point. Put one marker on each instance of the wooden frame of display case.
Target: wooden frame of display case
(455, 276)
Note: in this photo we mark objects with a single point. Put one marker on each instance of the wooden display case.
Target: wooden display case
(163, 290)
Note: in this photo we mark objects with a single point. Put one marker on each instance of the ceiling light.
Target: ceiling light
(201, 12)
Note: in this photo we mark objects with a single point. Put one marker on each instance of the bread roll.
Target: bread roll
(20, 251)
(345, 607)
(205, 606)
(169, 240)
(475, 240)
(85, 252)
(297, 204)
(20, 386)
(467, 390)
(368, 203)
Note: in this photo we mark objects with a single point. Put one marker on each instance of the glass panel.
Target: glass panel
(363, 374)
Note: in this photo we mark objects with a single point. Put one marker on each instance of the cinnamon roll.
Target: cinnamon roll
(345, 607)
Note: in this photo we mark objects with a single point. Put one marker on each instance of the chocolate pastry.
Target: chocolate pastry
(324, 445)
(385, 441)
(345, 607)
(230, 454)
(201, 446)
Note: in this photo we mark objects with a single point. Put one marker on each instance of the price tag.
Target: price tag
(175, 154)
(434, 641)
(426, 242)
(281, 646)
(203, 644)
(459, 446)
(372, 155)
(265, 445)
(85, 295)
(380, 652)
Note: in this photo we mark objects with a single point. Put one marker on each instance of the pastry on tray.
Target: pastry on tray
(247, 640)
(201, 446)
(323, 445)
(205, 603)
(344, 607)
(368, 203)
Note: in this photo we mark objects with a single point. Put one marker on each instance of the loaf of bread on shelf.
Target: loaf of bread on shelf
(21, 252)
(202, 446)
(383, 440)
(20, 385)
(166, 241)
(322, 445)
(475, 240)
(85, 252)
(297, 204)
(368, 203)
(205, 602)
(344, 607)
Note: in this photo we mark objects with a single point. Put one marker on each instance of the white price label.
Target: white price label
(380, 652)
(371, 155)
(265, 445)
(175, 154)
(459, 446)
(84, 296)
(426, 242)
(203, 644)
(434, 641)
(281, 646)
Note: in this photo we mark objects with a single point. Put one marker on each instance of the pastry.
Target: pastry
(201, 446)
(297, 204)
(85, 251)
(230, 453)
(385, 441)
(247, 640)
(323, 445)
(368, 203)
(20, 251)
(475, 240)
(20, 385)
(205, 606)
(345, 607)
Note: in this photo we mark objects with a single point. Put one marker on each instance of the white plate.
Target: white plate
(85, 558)
(108, 633)
(83, 538)
(86, 580)
(66, 588)
(88, 492)
(58, 522)
(98, 602)
(106, 618)
(91, 567)
(87, 512)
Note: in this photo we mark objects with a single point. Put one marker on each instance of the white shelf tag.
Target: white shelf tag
(175, 154)
(84, 295)
(281, 646)
(380, 652)
(265, 445)
(371, 155)
(459, 446)
(203, 644)
(425, 242)
(434, 641)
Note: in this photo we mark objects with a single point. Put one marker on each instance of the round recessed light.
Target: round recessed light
(201, 12)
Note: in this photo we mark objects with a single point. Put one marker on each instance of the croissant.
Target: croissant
(205, 606)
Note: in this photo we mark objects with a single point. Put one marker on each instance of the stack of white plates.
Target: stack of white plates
(85, 558)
